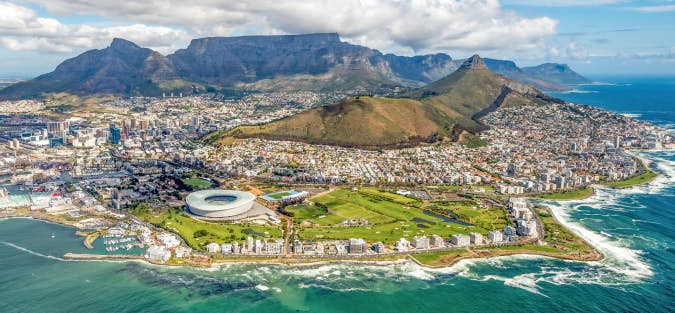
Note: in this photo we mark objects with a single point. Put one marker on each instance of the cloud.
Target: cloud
(564, 3)
(22, 29)
(389, 25)
(653, 8)
(576, 51)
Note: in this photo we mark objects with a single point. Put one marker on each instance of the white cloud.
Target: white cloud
(564, 3)
(22, 29)
(577, 51)
(653, 8)
(390, 25)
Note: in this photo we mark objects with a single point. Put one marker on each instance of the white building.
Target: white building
(213, 247)
(357, 246)
(437, 241)
(226, 248)
(420, 242)
(476, 238)
(402, 245)
(183, 252)
(495, 236)
(460, 240)
(158, 253)
(168, 240)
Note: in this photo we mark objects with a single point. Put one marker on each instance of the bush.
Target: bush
(200, 233)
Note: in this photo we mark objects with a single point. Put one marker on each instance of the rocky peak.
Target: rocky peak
(474, 63)
(123, 44)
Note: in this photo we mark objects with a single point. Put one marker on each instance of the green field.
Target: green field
(390, 217)
(444, 258)
(647, 176)
(197, 183)
(199, 233)
(576, 194)
(559, 237)
(279, 195)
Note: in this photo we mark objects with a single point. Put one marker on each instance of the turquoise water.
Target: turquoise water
(633, 227)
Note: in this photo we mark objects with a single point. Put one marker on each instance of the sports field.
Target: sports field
(390, 217)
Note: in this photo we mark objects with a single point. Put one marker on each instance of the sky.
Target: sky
(595, 37)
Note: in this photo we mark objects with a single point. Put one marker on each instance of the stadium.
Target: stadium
(219, 203)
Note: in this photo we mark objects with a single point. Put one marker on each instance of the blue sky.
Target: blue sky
(595, 37)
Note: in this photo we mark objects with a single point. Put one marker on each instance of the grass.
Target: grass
(559, 237)
(576, 194)
(647, 176)
(218, 232)
(197, 183)
(390, 217)
(279, 195)
(440, 257)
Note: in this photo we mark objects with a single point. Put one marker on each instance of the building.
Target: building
(420, 242)
(284, 197)
(378, 247)
(495, 236)
(115, 135)
(272, 247)
(509, 232)
(157, 253)
(216, 203)
(213, 247)
(182, 252)
(476, 238)
(402, 245)
(357, 246)
(297, 247)
(226, 248)
(460, 240)
(527, 228)
(168, 240)
(437, 241)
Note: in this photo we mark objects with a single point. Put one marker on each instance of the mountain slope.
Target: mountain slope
(439, 111)
(122, 68)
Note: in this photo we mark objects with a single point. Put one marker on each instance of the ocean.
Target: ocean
(634, 228)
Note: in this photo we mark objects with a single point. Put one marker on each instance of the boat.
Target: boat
(53, 236)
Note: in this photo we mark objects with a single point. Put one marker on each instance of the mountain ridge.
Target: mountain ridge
(320, 62)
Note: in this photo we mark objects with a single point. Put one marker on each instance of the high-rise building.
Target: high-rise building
(357, 245)
(495, 236)
(460, 240)
(115, 135)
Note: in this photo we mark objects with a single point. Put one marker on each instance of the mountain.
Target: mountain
(510, 70)
(318, 62)
(556, 73)
(121, 68)
(444, 110)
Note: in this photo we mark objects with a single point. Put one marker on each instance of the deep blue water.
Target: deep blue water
(633, 227)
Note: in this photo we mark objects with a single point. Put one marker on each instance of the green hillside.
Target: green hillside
(439, 111)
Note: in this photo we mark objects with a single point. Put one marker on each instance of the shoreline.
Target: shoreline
(403, 259)
(299, 262)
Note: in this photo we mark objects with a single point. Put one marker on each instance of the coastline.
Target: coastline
(402, 259)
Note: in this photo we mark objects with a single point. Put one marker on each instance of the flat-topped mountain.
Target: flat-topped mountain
(443, 110)
(317, 62)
